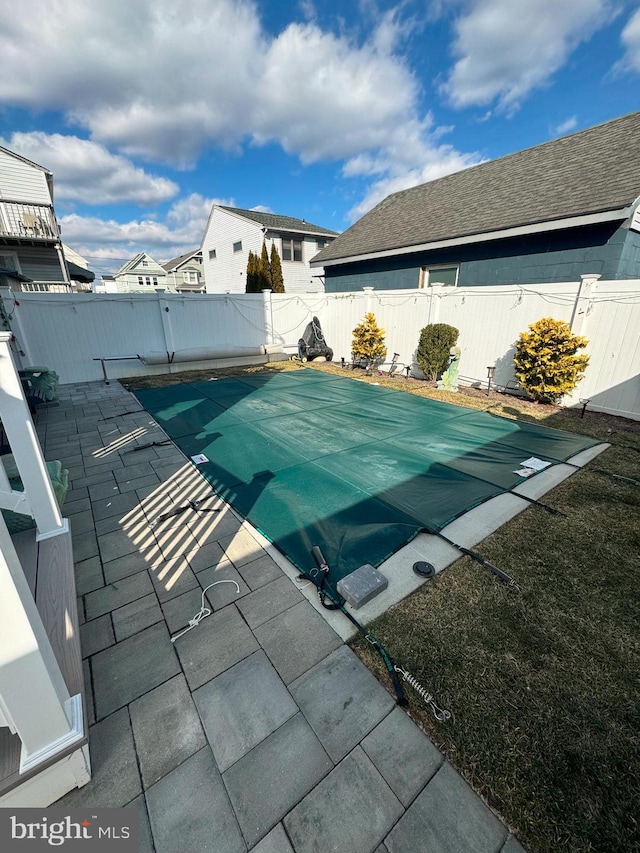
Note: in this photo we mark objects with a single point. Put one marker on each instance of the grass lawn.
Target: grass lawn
(542, 683)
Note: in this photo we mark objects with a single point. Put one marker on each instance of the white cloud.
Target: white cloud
(566, 126)
(98, 238)
(396, 176)
(85, 171)
(163, 81)
(504, 51)
(630, 38)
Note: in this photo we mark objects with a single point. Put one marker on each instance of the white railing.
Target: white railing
(28, 221)
(38, 499)
(35, 702)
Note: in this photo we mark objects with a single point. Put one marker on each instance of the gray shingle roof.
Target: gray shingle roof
(280, 223)
(174, 263)
(592, 171)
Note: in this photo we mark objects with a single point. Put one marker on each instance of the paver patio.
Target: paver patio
(257, 730)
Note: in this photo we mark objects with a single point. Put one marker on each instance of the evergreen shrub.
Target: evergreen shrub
(546, 360)
(432, 355)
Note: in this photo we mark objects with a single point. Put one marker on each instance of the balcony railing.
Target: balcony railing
(28, 221)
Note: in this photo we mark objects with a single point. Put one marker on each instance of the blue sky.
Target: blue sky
(148, 112)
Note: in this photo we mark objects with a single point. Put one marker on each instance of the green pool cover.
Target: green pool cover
(312, 458)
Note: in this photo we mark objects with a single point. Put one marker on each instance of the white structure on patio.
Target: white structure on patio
(43, 734)
(231, 233)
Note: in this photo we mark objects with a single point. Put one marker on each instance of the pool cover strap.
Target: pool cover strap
(337, 603)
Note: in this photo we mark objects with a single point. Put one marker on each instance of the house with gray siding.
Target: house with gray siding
(31, 253)
(546, 214)
(231, 233)
(185, 273)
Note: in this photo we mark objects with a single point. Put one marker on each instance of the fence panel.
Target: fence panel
(490, 320)
(612, 326)
(216, 321)
(66, 331)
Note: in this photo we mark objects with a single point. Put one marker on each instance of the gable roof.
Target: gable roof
(181, 259)
(133, 263)
(279, 223)
(25, 160)
(592, 172)
(48, 174)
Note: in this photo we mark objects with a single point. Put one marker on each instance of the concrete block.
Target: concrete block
(362, 585)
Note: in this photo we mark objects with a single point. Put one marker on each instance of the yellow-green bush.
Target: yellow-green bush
(546, 360)
(368, 341)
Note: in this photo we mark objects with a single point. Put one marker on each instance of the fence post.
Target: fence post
(167, 331)
(16, 325)
(582, 303)
(367, 299)
(434, 303)
(268, 315)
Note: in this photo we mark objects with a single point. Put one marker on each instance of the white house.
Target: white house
(185, 273)
(30, 243)
(231, 233)
(140, 275)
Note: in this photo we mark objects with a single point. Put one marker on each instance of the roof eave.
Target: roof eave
(481, 237)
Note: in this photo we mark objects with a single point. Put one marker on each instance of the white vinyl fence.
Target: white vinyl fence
(67, 331)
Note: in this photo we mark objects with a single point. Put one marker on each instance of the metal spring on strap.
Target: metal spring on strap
(441, 714)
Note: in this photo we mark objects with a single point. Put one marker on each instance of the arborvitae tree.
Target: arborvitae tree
(277, 279)
(264, 270)
(546, 363)
(252, 274)
(368, 341)
(432, 354)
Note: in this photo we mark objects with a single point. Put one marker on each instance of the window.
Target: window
(34, 286)
(190, 277)
(155, 281)
(291, 249)
(439, 275)
(320, 244)
(237, 247)
(140, 281)
(145, 263)
(212, 254)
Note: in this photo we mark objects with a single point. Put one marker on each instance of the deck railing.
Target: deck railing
(35, 701)
(28, 221)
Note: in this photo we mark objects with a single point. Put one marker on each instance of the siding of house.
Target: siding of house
(554, 256)
(128, 282)
(298, 276)
(175, 278)
(629, 266)
(227, 271)
(40, 263)
(19, 181)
